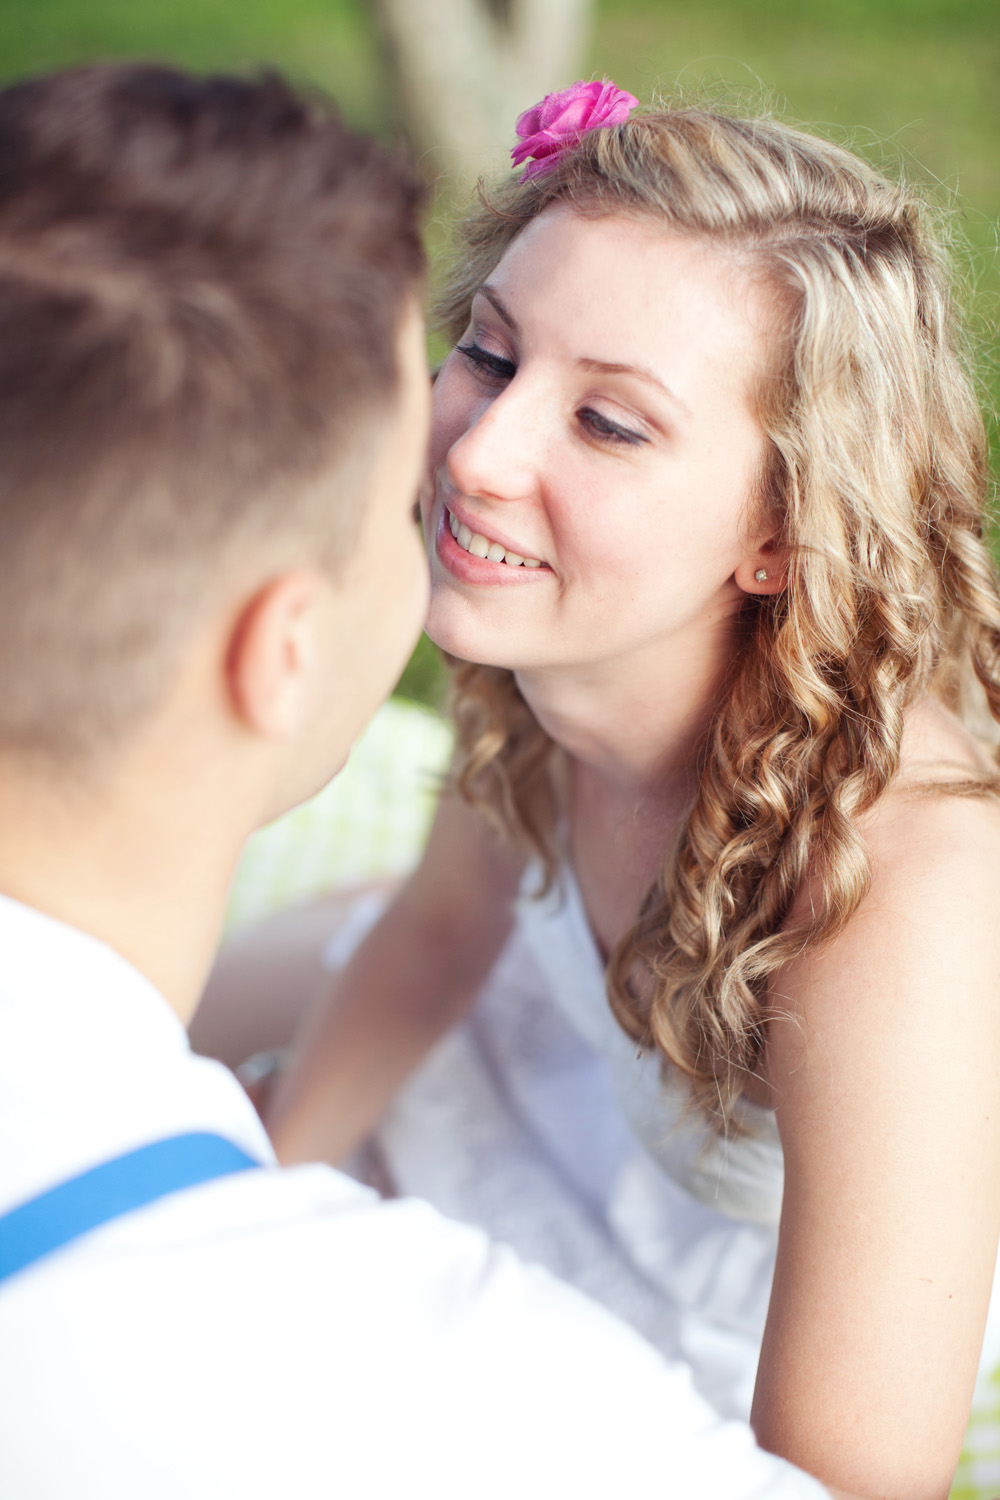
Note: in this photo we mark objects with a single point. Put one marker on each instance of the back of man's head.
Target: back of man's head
(201, 283)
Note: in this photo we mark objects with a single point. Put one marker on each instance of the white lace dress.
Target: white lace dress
(537, 1120)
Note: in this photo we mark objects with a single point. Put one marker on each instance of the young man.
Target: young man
(212, 415)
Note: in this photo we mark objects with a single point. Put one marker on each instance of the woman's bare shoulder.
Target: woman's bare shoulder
(938, 747)
(926, 931)
(939, 822)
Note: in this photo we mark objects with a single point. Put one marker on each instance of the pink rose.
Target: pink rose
(562, 118)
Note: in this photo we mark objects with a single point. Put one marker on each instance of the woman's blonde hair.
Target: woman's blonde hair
(874, 482)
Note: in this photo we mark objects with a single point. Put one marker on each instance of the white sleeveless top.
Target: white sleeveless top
(537, 1120)
(743, 1176)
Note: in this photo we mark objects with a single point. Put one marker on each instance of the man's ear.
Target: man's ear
(275, 653)
(764, 571)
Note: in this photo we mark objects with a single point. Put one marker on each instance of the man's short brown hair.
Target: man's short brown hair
(201, 284)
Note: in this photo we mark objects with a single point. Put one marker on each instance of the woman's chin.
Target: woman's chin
(462, 639)
(462, 649)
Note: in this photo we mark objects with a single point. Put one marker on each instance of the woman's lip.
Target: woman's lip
(474, 527)
(468, 569)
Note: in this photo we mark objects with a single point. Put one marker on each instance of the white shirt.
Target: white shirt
(284, 1332)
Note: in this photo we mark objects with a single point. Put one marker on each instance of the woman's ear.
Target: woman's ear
(275, 653)
(765, 571)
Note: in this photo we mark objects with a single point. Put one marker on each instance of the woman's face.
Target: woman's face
(593, 436)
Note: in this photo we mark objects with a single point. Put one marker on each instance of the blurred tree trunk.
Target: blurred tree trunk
(465, 69)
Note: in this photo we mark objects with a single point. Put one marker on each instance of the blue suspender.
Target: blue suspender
(116, 1187)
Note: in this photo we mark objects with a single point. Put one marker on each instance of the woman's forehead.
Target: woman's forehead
(626, 289)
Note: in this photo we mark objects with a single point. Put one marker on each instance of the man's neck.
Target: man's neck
(147, 874)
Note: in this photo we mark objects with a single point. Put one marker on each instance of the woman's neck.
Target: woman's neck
(635, 727)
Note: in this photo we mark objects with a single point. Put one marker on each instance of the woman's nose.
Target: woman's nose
(499, 453)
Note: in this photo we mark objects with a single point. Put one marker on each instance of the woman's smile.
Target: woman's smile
(472, 563)
(478, 545)
(473, 553)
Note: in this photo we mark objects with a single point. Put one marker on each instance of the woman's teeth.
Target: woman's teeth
(481, 546)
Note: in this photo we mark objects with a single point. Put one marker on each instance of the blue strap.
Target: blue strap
(116, 1187)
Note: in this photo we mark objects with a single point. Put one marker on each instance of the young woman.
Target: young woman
(722, 853)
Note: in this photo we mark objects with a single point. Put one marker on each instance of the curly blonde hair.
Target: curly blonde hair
(875, 483)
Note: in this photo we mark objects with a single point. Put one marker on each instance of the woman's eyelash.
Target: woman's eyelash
(609, 432)
(493, 364)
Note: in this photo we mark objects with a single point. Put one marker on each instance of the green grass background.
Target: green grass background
(916, 82)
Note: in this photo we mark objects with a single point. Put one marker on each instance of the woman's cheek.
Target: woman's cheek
(451, 403)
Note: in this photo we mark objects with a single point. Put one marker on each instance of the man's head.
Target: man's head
(203, 285)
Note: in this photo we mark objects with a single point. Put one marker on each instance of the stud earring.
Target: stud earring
(761, 575)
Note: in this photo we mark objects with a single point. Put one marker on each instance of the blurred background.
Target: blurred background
(914, 84)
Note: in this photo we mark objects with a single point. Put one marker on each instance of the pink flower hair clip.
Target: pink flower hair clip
(558, 122)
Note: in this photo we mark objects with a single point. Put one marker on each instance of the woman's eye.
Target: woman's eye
(487, 363)
(607, 431)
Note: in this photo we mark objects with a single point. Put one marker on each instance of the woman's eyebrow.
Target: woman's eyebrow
(610, 367)
(500, 307)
